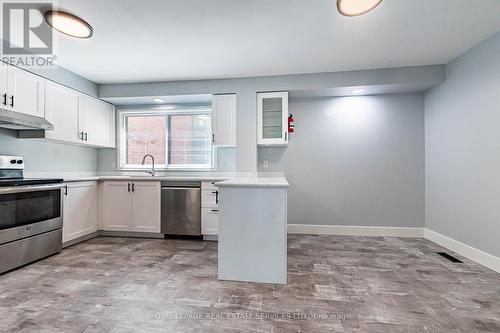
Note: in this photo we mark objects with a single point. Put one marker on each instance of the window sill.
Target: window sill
(172, 169)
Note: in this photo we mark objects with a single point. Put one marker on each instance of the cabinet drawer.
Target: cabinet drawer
(209, 221)
(209, 199)
(209, 186)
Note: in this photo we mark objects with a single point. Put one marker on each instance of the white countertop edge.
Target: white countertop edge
(276, 182)
(82, 179)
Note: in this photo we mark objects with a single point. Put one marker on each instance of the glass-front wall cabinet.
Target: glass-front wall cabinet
(272, 118)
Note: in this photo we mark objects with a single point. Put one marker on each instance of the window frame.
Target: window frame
(121, 150)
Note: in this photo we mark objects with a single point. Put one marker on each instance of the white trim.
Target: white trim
(355, 230)
(476, 255)
(121, 146)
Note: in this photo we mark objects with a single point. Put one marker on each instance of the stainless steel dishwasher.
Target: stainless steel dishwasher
(181, 208)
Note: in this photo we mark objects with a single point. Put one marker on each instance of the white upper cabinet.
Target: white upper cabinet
(25, 92)
(78, 118)
(224, 120)
(3, 85)
(272, 118)
(63, 106)
(97, 122)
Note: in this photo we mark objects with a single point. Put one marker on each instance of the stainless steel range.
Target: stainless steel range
(30, 215)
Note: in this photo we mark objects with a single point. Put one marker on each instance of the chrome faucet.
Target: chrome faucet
(152, 172)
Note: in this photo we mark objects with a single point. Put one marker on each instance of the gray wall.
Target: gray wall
(67, 78)
(40, 155)
(463, 150)
(390, 79)
(355, 161)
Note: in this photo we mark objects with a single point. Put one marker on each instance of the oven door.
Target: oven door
(29, 210)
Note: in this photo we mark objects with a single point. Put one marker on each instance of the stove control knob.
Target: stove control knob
(13, 161)
(19, 161)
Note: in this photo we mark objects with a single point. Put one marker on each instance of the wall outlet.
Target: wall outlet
(266, 164)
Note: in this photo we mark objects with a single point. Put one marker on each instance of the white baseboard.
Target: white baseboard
(469, 252)
(131, 234)
(354, 230)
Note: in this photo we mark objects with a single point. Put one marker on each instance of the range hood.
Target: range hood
(20, 121)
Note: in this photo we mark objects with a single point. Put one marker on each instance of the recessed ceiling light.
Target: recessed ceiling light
(356, 7)
(358, 91)
(158, 100)
(68, 24)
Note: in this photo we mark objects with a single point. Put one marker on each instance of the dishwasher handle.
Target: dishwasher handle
(178, 188)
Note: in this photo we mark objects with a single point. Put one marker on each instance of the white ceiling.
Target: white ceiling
(167, 40)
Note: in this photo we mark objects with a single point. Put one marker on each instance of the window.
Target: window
(180, 139)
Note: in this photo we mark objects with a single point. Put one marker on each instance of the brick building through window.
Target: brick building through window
(173, 139)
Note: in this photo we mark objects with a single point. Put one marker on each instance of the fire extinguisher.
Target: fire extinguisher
(291, 123)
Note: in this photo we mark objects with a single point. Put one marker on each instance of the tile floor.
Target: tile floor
(336, 284)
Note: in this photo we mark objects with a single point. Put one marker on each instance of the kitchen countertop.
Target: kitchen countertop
(224, 179)
(256, 181)
(160, 178)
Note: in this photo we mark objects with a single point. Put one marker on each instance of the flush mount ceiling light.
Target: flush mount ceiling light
(358, 91)
(68, 24)
(356, 7)
(158, 100)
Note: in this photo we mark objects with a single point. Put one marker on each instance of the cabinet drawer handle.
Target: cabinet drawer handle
(4, 99)
(215, 210)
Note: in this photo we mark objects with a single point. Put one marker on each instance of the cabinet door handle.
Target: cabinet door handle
(213, 138)
(81, 136)
(4, 99)
(12, 101)
(66, 190)
(86, 136)
(128, 187)
(133, 187)
(286, 136)
(216, 197)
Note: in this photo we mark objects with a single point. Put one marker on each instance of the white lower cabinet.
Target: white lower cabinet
(116, 206)
(146, 206)
(130, 206)
(209, 209)
(79, 210)
(209, 221)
